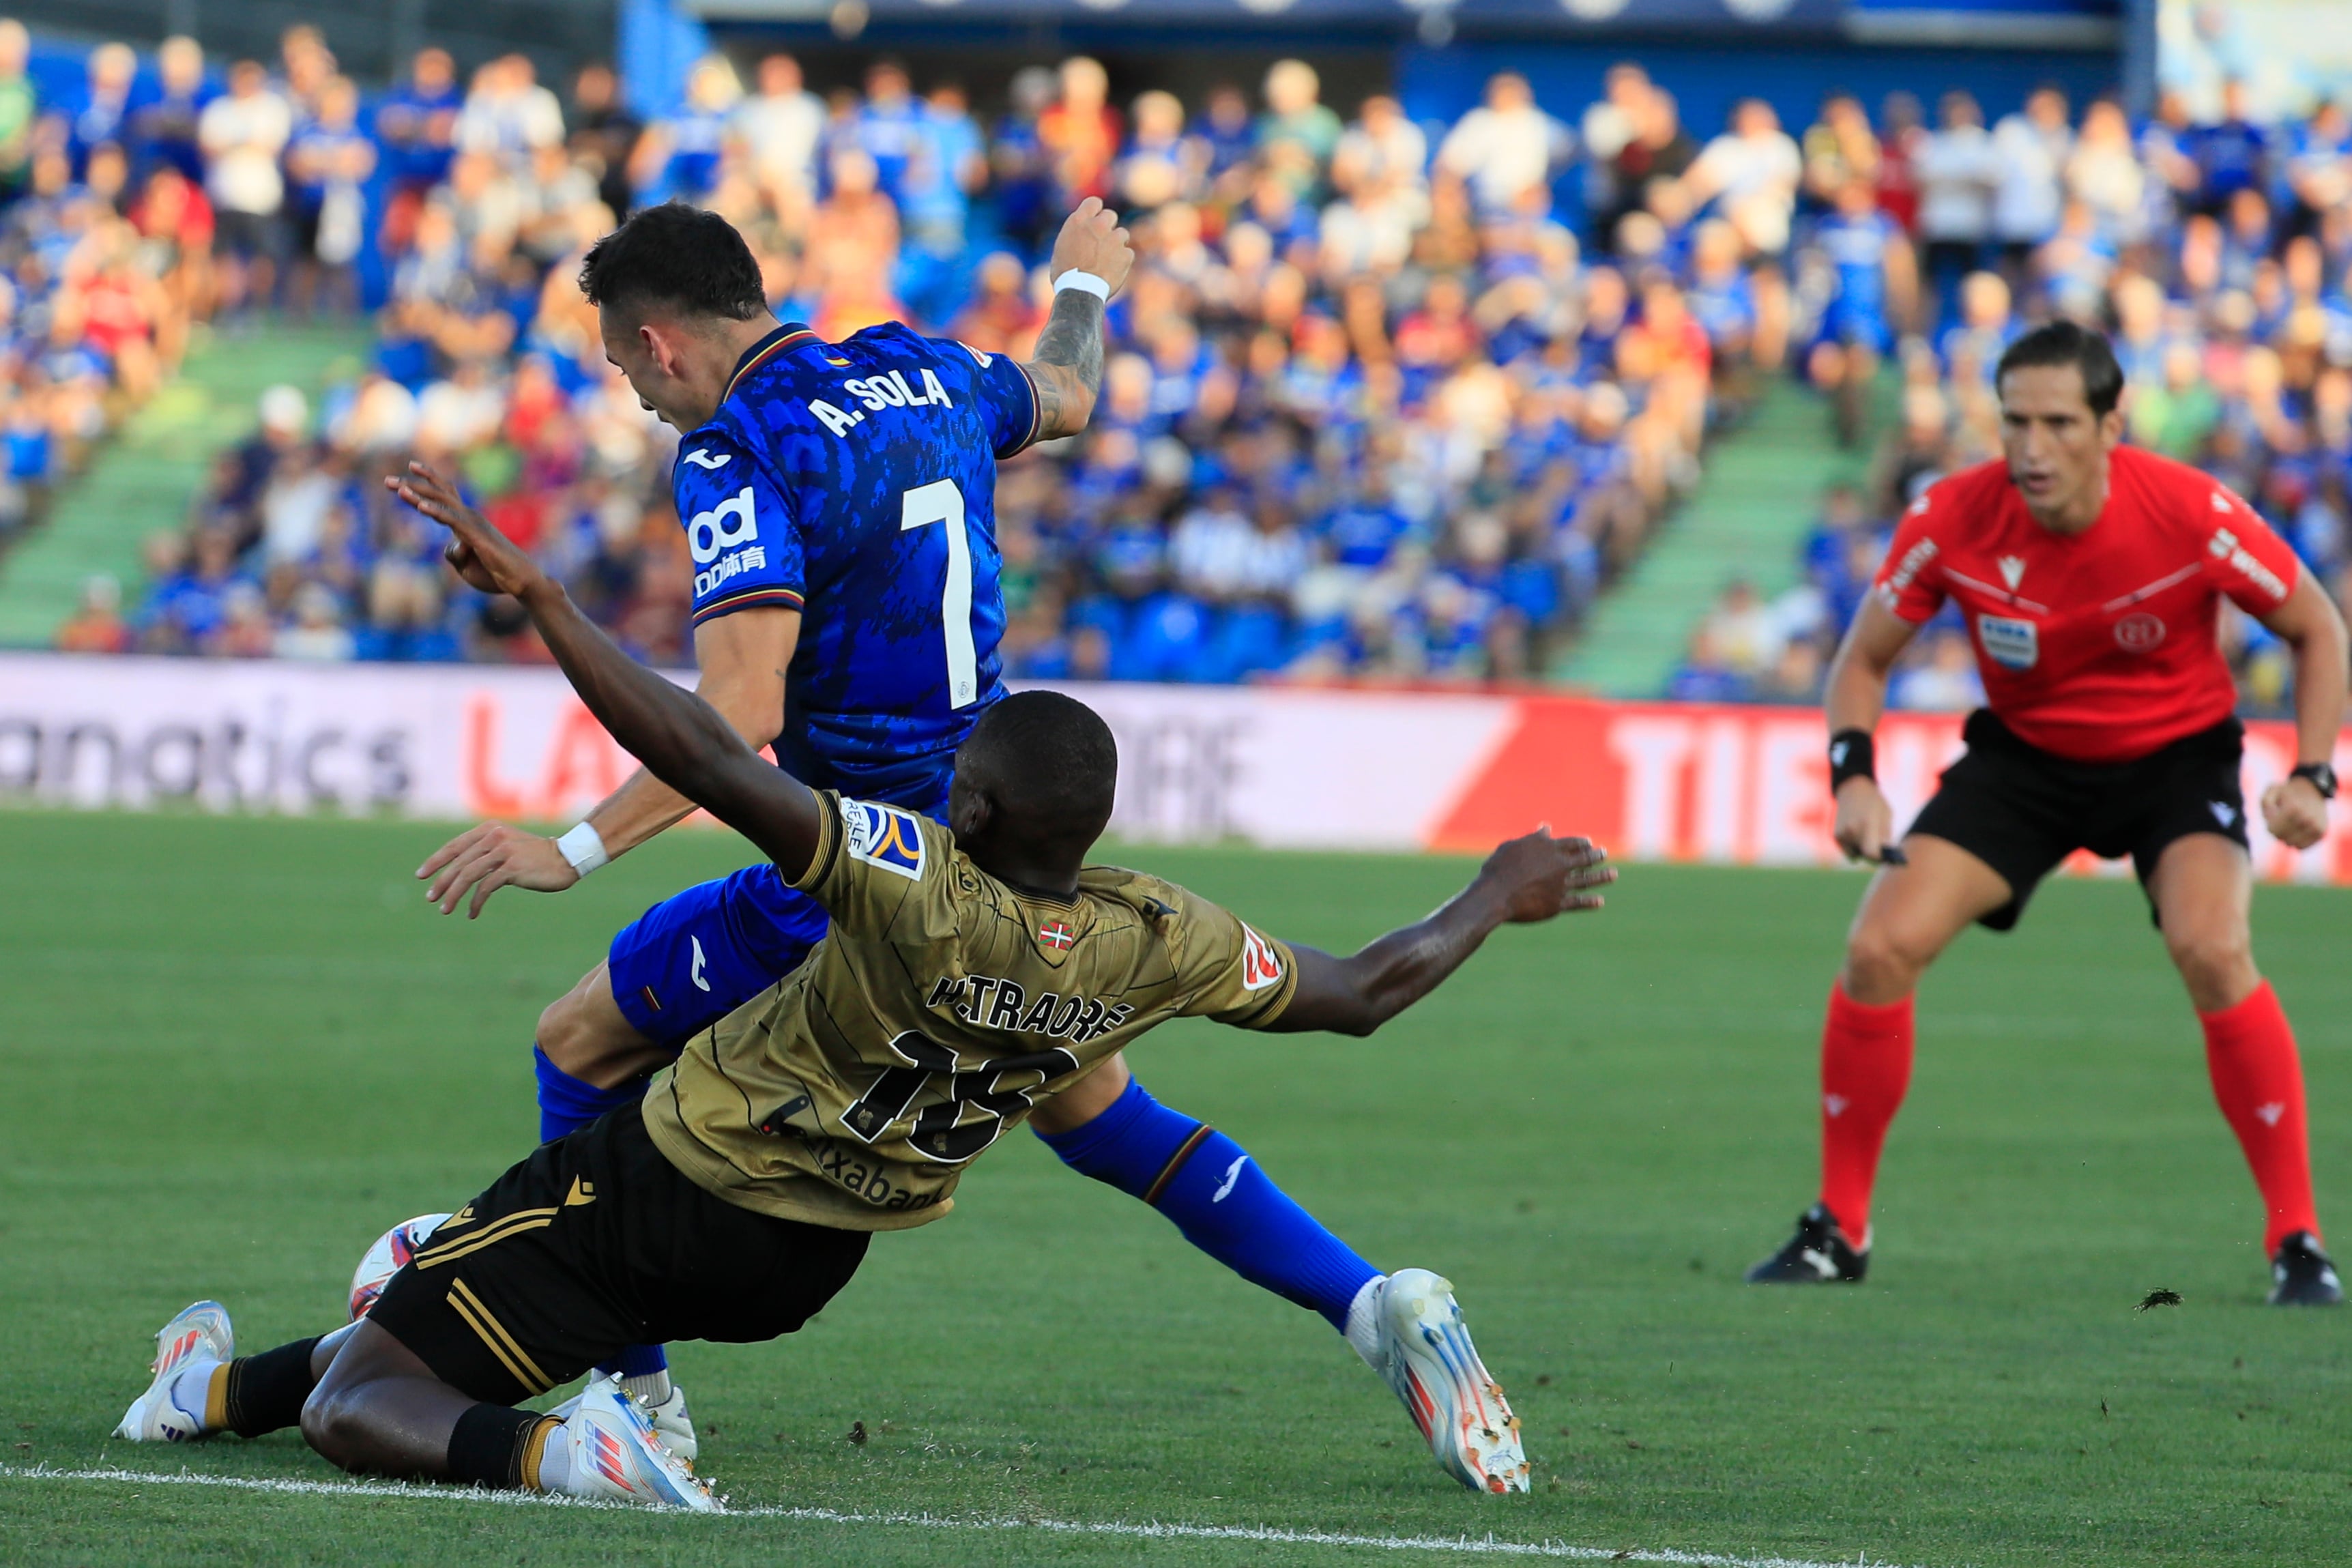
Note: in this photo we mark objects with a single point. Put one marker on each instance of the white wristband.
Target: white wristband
(583, 846)
(1085, 282)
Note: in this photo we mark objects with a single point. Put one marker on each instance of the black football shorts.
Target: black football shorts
(593, 1243)
(2021, 810)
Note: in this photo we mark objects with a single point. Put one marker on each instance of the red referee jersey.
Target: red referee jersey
(2097, 645)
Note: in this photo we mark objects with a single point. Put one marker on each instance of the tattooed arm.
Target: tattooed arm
(1068, 366)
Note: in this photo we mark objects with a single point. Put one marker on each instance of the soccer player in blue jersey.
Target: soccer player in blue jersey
(838, 500)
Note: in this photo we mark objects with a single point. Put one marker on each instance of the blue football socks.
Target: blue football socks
(565, 1106)
(1219, 1198)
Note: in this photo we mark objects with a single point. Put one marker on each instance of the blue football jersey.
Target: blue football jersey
(857, 483)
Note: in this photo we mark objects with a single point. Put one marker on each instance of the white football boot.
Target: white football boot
(1429, 1360)
(616, 1456)
(670, 1419)
(197, 1333)
(674, 1426)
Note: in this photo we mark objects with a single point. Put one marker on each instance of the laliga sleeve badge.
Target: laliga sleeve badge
(883, 837)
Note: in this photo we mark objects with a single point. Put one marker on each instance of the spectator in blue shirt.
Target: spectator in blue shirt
(951, 168)
(188, 605)
(2231, 155)
(889, 126)
(417, 121)
(1366, 530)
(683, 150)
(328, 163)
(2316, 176)
(162, 127)
(1020, 167)
(104, 113)
(1224, 126)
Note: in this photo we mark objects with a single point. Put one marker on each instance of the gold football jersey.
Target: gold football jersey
(942, 1005)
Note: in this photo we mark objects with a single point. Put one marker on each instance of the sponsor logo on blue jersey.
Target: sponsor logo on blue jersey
(732, 522)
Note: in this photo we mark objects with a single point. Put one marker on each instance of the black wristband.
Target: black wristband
(2322, 776)
(1852, 755)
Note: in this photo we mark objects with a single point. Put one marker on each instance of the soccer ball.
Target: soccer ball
(390, 1254)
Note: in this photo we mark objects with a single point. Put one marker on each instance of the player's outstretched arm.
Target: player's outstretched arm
(1067, 369)
(1527, 879)
(682, 739)
(742, 658)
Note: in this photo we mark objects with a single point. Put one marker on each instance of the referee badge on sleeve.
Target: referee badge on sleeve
(2009, 642)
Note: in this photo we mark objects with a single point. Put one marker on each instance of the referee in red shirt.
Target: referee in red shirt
(2091, 576)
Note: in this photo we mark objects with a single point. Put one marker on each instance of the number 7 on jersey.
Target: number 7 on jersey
(941, 502)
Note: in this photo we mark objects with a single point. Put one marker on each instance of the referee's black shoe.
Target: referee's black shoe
(2302, 1275)
(1819, 1254)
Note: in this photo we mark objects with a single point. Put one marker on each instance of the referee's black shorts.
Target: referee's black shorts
(2021, 810)
(593, 1243)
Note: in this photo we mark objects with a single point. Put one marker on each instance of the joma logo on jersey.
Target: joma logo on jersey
(884, 837)
(722, 528)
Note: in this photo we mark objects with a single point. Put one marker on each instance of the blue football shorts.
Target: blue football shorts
(696, 956)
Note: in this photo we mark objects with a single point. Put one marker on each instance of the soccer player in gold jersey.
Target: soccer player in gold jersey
(970, 973)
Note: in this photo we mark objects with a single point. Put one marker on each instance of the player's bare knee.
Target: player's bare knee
(2218, 966)
(334, 1424)
(1883, 962)
(568, 1035)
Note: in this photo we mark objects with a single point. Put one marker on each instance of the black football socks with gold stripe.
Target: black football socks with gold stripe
(502, 1447)
(257, 1393)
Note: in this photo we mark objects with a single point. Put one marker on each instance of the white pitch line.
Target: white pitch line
(1471, 1546)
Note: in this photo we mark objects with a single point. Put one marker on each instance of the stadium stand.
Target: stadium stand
(1389, 401)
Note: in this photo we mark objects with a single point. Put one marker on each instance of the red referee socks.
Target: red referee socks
(1866, 1067)
(2258, 1078)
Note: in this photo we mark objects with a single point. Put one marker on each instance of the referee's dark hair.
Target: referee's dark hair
(678, 256)
(2070, 342)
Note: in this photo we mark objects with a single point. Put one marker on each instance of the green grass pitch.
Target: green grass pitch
(231, 1052)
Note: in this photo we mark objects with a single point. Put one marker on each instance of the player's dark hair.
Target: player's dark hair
(2063, 343)
(675, 255)
(1049, 757)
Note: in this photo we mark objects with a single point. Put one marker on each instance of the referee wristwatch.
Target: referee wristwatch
(2322, 777)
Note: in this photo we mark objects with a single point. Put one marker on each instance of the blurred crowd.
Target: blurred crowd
(2217, 254)
(105, 240)
(1385, 400)
(1371, 410)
